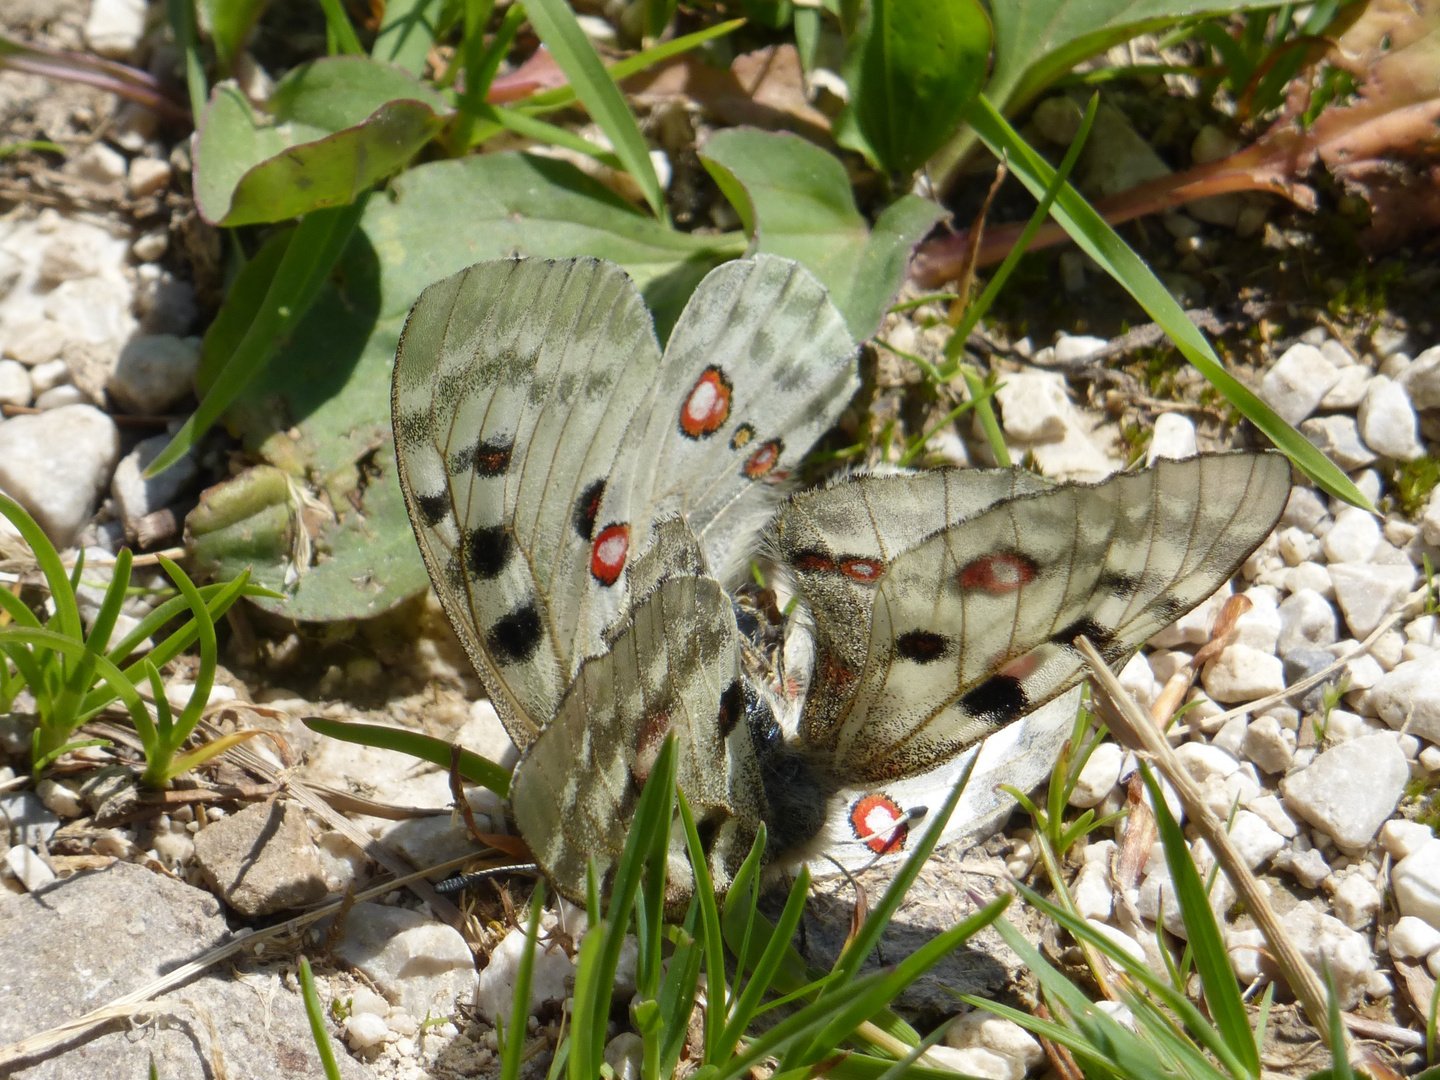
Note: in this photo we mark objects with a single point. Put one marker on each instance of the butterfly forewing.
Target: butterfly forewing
(758, 367)
(974, 627)
(674, 667)
(509, 406)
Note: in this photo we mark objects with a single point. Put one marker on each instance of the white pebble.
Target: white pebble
(365, 1029)
(974, 1061)
(113, 27)
(1254, 839)
(1338, 438)
(50, 374)
(1269, 745)
(1349, 791)
(1241, 673)
(1408, 697)
(148, 176)
(57, 463)
(1259, 627)
(1356, 902)
(1296, 383)
(1387, 421)
(1308, 867)
(1305, 509)
(1006, 1038)
(1244, 947)
(625, 1054)
(1367, 592)
(1034, 407)
(1094, 897)
(1172, 437)
(1202, 761)
(28, 867)
(1349, 390)
(1353, 538)
(1272, 812)
(154, 372)
(15, 386)
(57, 397)
(60, 799)
(151, 246)
(1324, 941)
(552, 968)
(1118, 937)
(1412, 938)
(1415, 880)
(1098, 777)
(1400, 837)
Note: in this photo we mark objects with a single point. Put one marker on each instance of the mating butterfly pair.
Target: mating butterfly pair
(583, 503)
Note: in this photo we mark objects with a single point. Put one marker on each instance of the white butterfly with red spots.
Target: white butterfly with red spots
(583, 502)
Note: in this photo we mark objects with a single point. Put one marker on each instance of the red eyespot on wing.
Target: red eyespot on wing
(873, 819)
(862, 569)
(608, 553)
(707, 405)
(812, 562)
(998, 574)
(763, 459)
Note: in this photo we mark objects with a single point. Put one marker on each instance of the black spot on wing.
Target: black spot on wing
(487, 550)
(432, 508)
(999, 700)
(515, 637)
(922, 646)
(708, 827)
(1169, 609)
(586, 508)
(732, 707)
(1119, 584)
(1102, 637)
(488, 457)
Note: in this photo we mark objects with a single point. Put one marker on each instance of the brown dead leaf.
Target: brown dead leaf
(764, 89)
(1384, 145)
(538, 73)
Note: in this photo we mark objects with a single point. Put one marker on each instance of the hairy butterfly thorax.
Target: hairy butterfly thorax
(587, 507)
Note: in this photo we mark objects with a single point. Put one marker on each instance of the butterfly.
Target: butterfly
(587, 505)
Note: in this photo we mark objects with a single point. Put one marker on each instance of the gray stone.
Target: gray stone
(154, 372)
(1387, 421)
(1408, 698)
(1296, 383)
(419, 964)
(56, 464)
(28, 819)
(1350, 790)
(1367, 592)
(1338, 438)
(1300, 664)
(137, 497)
(262, 859)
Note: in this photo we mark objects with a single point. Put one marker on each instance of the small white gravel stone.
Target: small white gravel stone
(1415, 880)
(1408, 697)
(57, 463)
(28, 867)
(1254, 839)
(1430, 521)
(1387, 421)
(363, 1030)
(1203, 761)
(1241, 673)
(1308, 867)
(1421, 379)
(1137, 678)
(147, 176)
(1312, 576)
(151, 246)
(1231, 737)
(1412, 938)
(974, 1061)
(1269, 745)
(1305, 509)
(60, 799)
(1094, 897)
(136, 497)
(1296, 383)
(1118, 937)
(15, 388)
(154, 372)
(37, 343)
(1356, 902)
(98, 163)
(1173, 437)
(59, 396)
(1400, 837)
(1272, 812)
(1349, 791)
(1338, 438)
(1077, 348)
(421, 964)
(1034, 407)
(113, 27)
(1194, 627)
(48, 375)
(496, 995)
(1324, 941)
(1367, 592)
(1244, 947)
(1349, 391)
(1294, 545)
(625, 1054)
(998, 1035)
(1259, 627)
(1098, 777)
(1353, 538)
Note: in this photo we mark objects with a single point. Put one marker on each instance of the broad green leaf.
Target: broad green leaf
(921, 63)
(1037, 41)
(320, 410)
(796, 200)
(334, 128)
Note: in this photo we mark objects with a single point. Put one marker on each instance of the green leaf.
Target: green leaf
(921, 63)
(1103, 244)
(407, 32)
(335, 127)
(473, 767)
(230, 23)
(797, 201)
(321, 407)
(555, 23)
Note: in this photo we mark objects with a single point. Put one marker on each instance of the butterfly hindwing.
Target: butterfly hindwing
(674, 667)
(509, 406)
(973, 628)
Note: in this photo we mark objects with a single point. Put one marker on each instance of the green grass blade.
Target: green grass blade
(545, 132)
(714, 943)
(1222, 995)
(584, 1037)
(66, 610)
(473, 767)
(314, 248)
(743, 1011)
(1098, 240)
(514, 1052)
(339, 29)
(555, 22)
(158, 763)
(59, 643)
(17, 610)
(104, 624)
(316, 1016)
(677, 991)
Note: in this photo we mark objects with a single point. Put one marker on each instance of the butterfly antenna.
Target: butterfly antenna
(461, 882)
